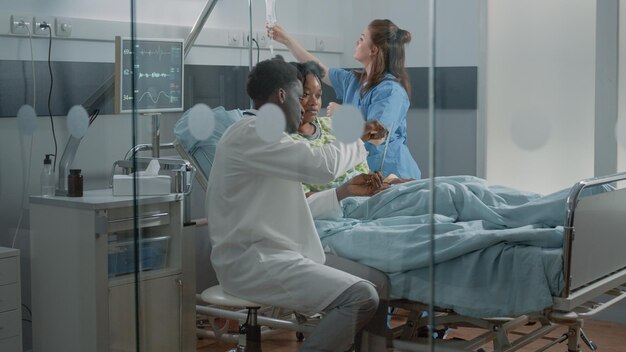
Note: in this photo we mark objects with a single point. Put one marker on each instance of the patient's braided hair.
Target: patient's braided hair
(267, 76)
(309, 67)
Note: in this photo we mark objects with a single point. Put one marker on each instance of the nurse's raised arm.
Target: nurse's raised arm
(280, 35)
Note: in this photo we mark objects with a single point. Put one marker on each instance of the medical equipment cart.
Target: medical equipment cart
(10, 301)
(83, 278)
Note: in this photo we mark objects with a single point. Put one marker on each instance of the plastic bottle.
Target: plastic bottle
(47, 177)
(75, 183)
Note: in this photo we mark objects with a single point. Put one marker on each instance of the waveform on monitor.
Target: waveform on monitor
(152, 98)
(153, 75)
(157, 52)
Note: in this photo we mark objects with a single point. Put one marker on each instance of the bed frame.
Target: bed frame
(594, 262)
(594, 265)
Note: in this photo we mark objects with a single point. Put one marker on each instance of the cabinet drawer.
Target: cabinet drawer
(8, 297)
(11, 344)
(8, 270)
(149, 215)
(9, 324)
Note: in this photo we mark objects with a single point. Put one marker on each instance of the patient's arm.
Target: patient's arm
(366, 185)
(325, 204)
(392, 179)
(362, 185)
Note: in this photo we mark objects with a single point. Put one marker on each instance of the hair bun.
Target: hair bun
(404, 36)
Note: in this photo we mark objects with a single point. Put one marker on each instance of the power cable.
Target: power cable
(257, 50)
(54, 137)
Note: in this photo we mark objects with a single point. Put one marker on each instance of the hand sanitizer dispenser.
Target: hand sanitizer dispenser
(47, 177)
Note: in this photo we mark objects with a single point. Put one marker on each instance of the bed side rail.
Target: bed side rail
(592, 308)
(201, 176)
(607, 213)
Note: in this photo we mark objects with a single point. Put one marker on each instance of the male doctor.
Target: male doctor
(265, 246)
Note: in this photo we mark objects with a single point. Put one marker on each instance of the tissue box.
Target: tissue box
(147, 185)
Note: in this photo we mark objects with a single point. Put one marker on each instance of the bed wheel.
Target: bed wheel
(299, 336)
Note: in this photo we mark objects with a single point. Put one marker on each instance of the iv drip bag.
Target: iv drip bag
(270, 17)
(270, 12)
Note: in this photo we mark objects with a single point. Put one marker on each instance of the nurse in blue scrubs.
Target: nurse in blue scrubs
(380, 89)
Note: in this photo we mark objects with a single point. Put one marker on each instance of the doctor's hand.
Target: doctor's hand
(362, 185)
(332, 108)
(374, 132)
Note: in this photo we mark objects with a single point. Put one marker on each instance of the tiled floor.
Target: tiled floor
(609, 337)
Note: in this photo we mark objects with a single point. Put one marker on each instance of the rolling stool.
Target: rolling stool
(215, 295)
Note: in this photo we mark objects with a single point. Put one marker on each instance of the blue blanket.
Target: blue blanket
(497, 250)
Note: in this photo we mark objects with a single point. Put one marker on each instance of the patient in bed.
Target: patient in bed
(390, 231)
(317, 129)
(474, 222)
(454, 194)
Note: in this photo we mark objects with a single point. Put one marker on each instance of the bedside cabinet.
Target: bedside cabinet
(10, 301)
(82, 274)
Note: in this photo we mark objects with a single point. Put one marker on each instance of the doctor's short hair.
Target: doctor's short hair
(269, 75)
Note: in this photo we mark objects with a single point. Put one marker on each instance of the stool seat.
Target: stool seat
(215, 295)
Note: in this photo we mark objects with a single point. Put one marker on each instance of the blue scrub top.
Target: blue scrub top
(388, 103)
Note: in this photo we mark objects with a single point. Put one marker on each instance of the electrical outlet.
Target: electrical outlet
(42, 21)
(20, 24)
(234, 38)
(320, 45)
(63, 27)
(262, 39)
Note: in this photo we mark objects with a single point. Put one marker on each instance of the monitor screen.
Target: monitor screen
(158, 74)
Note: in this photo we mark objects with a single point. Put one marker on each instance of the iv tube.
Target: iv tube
(270, 18)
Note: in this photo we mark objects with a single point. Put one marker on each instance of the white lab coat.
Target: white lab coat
(265, 246)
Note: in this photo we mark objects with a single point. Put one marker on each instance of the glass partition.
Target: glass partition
(66, 237)
(169, 184)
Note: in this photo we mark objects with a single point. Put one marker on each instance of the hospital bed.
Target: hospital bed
(593, 267)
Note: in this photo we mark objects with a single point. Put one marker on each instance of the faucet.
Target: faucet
(65, 163)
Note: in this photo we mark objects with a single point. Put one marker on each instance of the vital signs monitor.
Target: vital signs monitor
(158, 73)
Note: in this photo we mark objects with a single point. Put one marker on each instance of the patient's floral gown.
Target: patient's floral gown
(327, 137)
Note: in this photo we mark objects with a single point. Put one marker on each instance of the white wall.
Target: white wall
(617, 313)
(457, 29)
(540, 66)
(229, 13)
(540, 79)
(96, 23)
